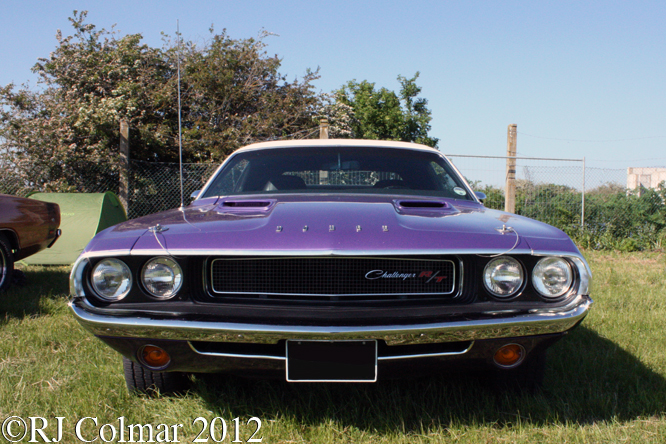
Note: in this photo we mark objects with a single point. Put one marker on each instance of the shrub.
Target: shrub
(615, 218)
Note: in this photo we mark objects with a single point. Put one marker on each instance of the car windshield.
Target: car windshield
(338, 170)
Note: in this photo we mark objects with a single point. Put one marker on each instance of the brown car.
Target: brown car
(26, 227)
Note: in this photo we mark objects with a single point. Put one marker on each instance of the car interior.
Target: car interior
(338, 169)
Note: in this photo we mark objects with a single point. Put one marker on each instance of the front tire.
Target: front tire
(6, 263)
(142, 380)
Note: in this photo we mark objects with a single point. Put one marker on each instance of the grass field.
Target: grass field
(606, 381)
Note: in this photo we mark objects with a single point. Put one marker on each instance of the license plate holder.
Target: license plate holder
(331, 361)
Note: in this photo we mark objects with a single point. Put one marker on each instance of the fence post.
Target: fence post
(124, 164)
(510, 188)
(582, 210)
(323, 128)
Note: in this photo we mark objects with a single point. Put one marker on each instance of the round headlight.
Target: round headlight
(503, 276)
(162, 277)
(111, 279)
(552, 277)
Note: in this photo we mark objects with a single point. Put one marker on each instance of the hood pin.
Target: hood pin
(157, 229)
(505, 230)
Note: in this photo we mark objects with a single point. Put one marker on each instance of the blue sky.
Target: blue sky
(581, 79)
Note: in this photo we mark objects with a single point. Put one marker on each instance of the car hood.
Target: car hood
(331, 225)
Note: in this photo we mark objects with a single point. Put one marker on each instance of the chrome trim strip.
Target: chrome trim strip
(58, 233)
(209, 273)
(584, 281)
(413, 259)
(109, 253)
(324, 253)
(334, 253)
(76, 277)
(461, 284)
(235, 355)
(282, 358)
(461, 176)
(426, 355)
(156, 326)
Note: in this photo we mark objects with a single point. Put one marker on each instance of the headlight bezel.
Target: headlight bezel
(170, 263)
(538, 281)
(517, 289)
(95, 285)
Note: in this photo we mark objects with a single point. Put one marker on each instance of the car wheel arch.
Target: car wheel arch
(6, 262)
(11, 237)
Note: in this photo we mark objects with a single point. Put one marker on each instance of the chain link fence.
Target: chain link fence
(593, 205)
(155, 187)
(546, 188)
(551, 190)
(12, 185)
(75, 177)
(152, 186)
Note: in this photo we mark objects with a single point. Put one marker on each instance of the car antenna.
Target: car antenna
(180, 132)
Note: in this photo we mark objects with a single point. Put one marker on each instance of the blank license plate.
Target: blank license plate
(331, 361)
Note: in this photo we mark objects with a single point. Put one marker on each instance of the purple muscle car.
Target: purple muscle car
(331, 261)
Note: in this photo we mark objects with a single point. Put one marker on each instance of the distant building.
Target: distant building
(645, 177)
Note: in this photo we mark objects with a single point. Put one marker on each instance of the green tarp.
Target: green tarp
(82, 215)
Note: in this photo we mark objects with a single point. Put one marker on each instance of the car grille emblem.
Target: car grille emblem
(429, 275)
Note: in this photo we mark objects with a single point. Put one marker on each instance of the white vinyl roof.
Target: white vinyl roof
(336, 142)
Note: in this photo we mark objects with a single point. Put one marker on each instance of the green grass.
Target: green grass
(606, 381)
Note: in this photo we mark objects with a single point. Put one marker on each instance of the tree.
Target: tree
(91, 81)
(233, 94)
(340, 116)
(383, 114)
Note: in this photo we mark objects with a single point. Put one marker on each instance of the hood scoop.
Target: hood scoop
(425, 208)
(247, 207)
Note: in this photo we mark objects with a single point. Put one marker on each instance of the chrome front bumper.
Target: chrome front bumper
(502, 324)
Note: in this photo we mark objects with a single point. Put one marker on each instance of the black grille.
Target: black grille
(333, 276)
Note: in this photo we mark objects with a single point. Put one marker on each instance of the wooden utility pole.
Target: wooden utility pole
(510, 188)
(323, 128)
(124, 163)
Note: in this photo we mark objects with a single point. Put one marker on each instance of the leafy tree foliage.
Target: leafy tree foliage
(233, 94)
(382, 114)
(340, 116)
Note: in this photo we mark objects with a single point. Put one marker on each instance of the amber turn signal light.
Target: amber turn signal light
(509, 355)
(154, 357)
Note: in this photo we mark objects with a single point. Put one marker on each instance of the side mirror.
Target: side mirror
(195, 194)
(480, 195)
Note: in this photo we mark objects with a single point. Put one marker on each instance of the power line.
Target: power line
(628, 160)
(591, 141)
